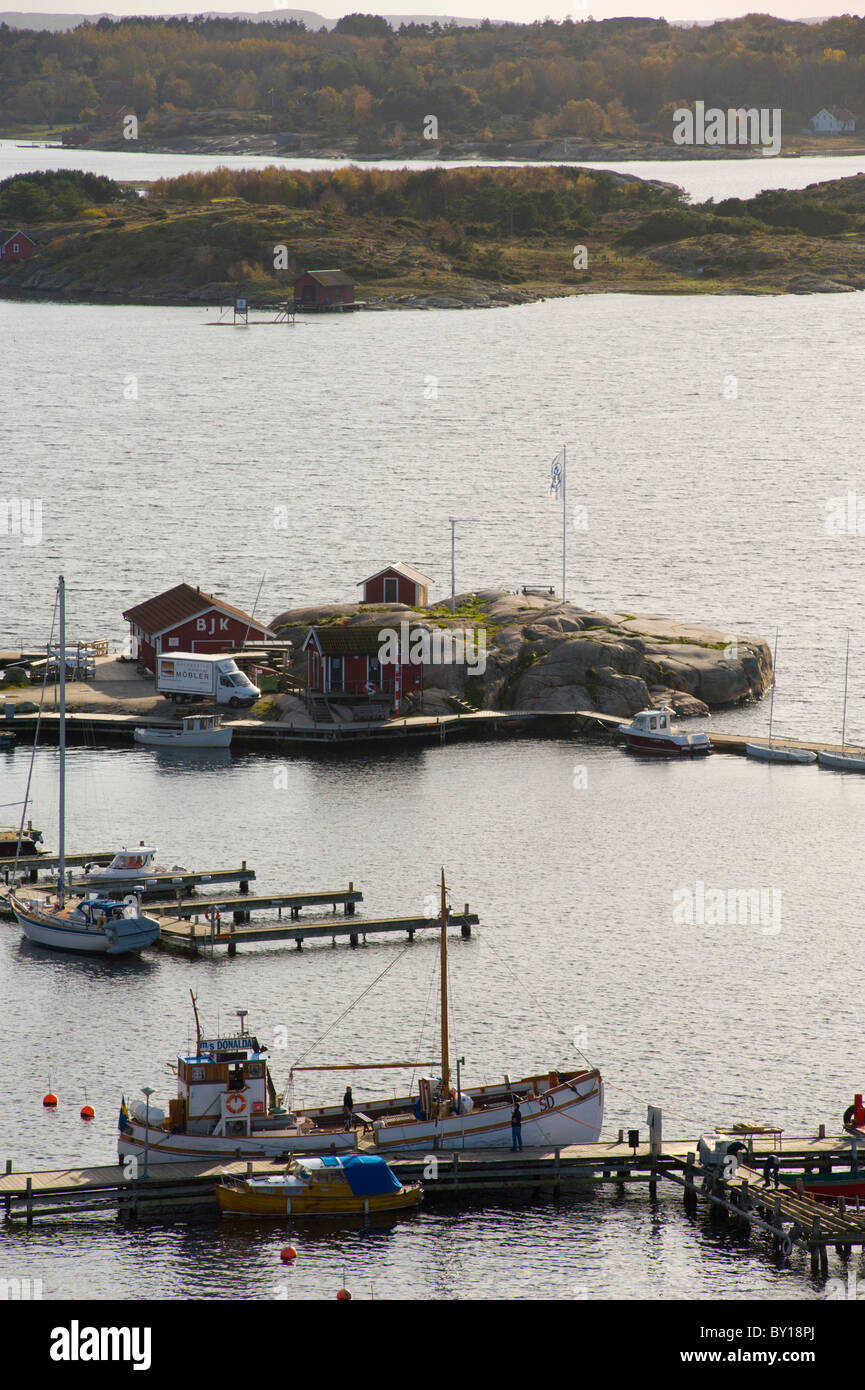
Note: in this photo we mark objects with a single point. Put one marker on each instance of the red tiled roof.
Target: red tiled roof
(179, 604)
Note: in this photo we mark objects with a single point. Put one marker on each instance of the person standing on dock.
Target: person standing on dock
(347, 1109)
(516, 1128)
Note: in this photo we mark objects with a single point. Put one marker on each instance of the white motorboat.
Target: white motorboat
(771, 752)
(138, 863)
(95, 926)
(652, 731)
(195, 731)
(227, 1105)
(844, 761)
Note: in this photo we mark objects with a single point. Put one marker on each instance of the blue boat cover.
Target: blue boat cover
(367, 1175)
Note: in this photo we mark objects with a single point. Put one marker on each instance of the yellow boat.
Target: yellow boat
(353, 1184)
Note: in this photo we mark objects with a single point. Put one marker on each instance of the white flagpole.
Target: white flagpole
(564, 518)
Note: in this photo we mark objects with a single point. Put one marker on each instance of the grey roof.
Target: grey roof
(329, 277)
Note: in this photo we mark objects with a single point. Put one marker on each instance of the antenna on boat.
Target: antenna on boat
(443, 919)
(241, 1014)
(197, 1026)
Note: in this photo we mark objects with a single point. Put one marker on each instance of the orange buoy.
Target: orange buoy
(49, 1100)
(343, 1295)
(87, 1112)
(287, 1254)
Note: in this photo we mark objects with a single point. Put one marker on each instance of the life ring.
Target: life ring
(236, 1103)
(849, 1114)
(213, 915)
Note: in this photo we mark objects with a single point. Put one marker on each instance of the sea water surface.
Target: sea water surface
(714, 444)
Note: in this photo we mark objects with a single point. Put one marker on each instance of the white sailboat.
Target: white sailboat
(843, 761)
(770, 752)
(227, 1106)
(95, 925)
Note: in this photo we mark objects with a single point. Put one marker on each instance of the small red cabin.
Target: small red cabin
(397, 584)
(185, 619)
(323, 289)
(352, 663)
(16, 246)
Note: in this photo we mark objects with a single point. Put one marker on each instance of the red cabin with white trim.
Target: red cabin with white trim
(348, 663)
(399, 583)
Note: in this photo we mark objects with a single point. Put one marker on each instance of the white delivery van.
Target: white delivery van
(194, 676)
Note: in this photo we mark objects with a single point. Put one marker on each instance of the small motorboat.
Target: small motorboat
(138, 863)
(196, 731)
(651, 731)
(30, 841)
(336, 1185)
(774, 753)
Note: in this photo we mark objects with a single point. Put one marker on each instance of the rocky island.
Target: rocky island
(542, 654)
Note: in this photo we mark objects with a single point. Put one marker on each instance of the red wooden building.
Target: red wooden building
(185, 619)
(397, 583)
(323, 289)
(16, 246)
(345, 663)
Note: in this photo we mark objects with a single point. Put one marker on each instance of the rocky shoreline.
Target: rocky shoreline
(542, 654)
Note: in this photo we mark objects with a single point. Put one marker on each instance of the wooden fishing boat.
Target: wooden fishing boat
(651, 731)
(227, 1105)
(28, 839)
(349, 1185)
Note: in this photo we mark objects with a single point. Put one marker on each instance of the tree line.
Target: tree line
(615, 78)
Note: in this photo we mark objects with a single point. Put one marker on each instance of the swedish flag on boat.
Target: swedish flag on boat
(123, 1119)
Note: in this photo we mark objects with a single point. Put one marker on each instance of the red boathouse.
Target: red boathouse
(323, 289)
(185, 619)
(344, 663)
(16, 246)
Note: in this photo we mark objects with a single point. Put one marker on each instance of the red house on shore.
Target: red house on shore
(344, 663)
(397, 583)
(323, 289)
(16, 246)
(185, 619)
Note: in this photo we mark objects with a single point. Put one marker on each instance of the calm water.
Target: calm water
(577, 945)
(706, 438)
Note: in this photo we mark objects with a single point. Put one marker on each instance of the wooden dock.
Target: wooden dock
(195, 937)
(32, 863)
(242, 907)
(788, 1218)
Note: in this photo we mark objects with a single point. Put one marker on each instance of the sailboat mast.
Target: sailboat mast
(774, 669)
(846, 672)
(61, 868)
(446, 1070)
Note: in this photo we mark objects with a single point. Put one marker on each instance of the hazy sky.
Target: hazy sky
(521, 10)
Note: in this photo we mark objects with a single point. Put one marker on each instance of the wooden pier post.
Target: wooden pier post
(7, 1201)
(465, 929)
(352, 940)
(29, 1200)
(243, 886)
(349, 906)
(556, 1183)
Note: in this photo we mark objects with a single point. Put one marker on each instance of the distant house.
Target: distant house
(188, 620)
(73, 138)
(344, 663)
(397, 584)
(323, 289)
(833, 120)
(16, 246)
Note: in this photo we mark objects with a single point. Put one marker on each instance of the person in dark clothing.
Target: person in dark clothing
(771, 1169)
(347, 1109)
(516, 1128)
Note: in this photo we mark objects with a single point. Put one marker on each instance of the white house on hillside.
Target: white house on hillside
(833, 120)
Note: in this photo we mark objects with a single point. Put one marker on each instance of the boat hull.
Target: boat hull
(828, 1187)
(842, 762)
(178, 739)
(245, 1202)
(130, 935)
(164, 1147)
(765, 753)
(673, 744)
(571, 1113)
